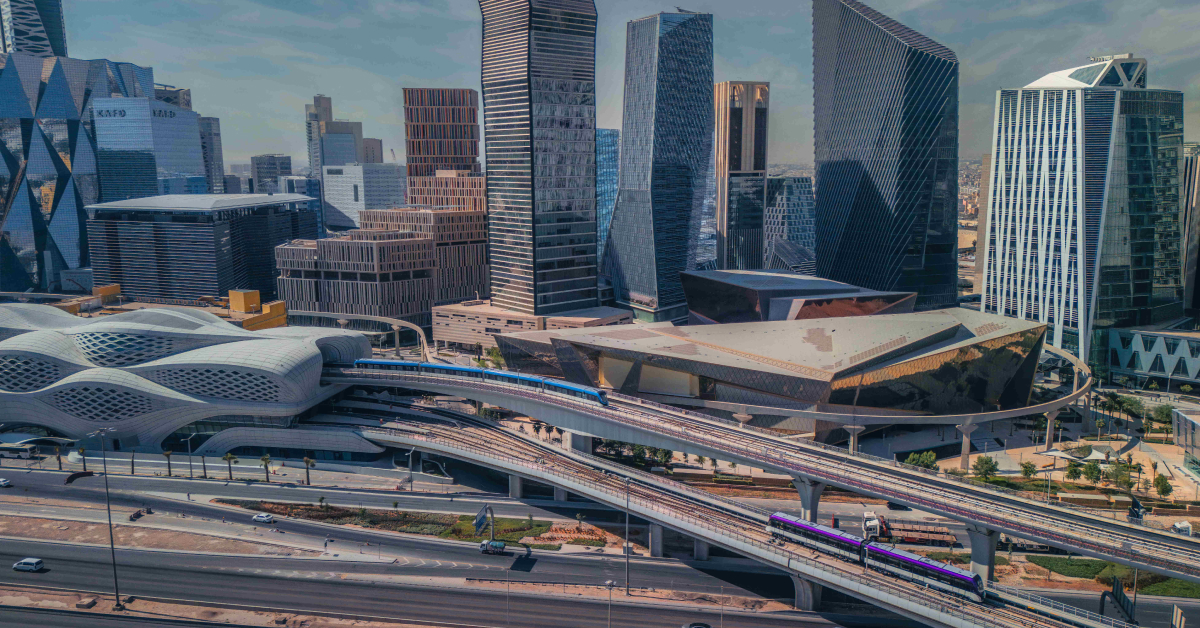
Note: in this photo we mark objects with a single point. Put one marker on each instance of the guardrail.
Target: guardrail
(722, 534)
(1058, 607)
(838, 472)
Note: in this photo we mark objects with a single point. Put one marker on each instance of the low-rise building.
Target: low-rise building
(741, 296)
(374, 272)
(460, 245)
(476, 323)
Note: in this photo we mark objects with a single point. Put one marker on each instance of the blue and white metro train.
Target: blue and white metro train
(877, 556)
(546, 385)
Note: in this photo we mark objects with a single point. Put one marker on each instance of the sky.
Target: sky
(255, 63)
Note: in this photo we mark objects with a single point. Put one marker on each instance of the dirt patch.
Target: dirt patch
(733, 602)
(139, 537)
(1022, 573)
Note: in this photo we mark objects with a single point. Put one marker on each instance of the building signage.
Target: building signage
(110, 113)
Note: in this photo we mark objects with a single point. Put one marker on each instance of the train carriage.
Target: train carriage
(817, 536)
(932, 573)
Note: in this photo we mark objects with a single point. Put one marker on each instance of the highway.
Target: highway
(1067, 528)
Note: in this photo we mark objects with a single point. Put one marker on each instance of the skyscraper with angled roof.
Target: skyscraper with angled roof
(1085, 225)
(886, 139)
(33, 27)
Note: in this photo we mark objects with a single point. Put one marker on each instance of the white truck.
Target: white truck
(878, 528)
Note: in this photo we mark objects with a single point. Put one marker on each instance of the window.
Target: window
(355, 192)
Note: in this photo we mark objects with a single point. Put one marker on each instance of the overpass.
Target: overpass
(988, 510)
(711, 520)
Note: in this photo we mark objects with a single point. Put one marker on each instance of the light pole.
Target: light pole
(188, 440)
(609, 584)
(112, 546)
(628, 545)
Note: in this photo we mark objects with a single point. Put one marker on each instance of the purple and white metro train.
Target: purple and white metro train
(877, 556)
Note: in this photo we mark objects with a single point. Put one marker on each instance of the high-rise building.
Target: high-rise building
(374, 272)
(372, 150)
(460, 245)
(319, 112)
(318, 124)
(608, 162)
(146, 147)
(306, 186)
(50, 172)
(266, 170)
(338, 149)
(240, 169)
(666, 145)
(790, 217)
(442, 148)
(214, 160)
(1085, 229)
(233, 185)
(885, 110)
(179, 96)
(352, 188)
(742, 109)
(33, 27)
(539, 99)
(981, 224)
(1191, 222)
(184, 248)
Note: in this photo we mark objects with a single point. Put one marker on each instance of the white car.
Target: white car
(264, 517)
(5, 483)
(28, 564)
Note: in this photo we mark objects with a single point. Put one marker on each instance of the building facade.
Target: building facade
(790, 215)
(666, 143)
(539, 98)
(374, 272)
(309, 187)
(351, 189)
(460, 246)
(1191, 223)
(608, 164)
(266, 170)
(214, 159)
(319, 112)
(33, 27)
(185, 248)
(885, 111)
(51, 172)
(473, 324)
(146, 145)
(462, 189)
(323, 150)
(442, 148)
(372, 150)
(179, 96)
(1085, 229)
(742, 121)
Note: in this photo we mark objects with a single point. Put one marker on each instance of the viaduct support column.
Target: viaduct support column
(854, 430)
(577, 442)
(964, 461)
(1050, 418)
(655, 540)
(808, 594)
(700, 549)
(810, 495)
(560, 494)
(983, 551)
(514, 487)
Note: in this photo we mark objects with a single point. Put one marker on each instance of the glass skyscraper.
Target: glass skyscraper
(141, 141)
(608, 161)
(885, 112)
(666, 144)
(49, 172)
(539, 101)
(1086, 191)
(33, 27)
(741, 175)
(790, 215)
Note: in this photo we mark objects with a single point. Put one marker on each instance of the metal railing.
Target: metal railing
(1059, 607)
(1166, 557)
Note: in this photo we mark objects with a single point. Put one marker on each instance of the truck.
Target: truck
(491, 547)
(878, 528)
(1013, 543)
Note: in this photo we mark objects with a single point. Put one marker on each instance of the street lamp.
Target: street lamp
(628, 546)
(609, 584)
(112, 546)
(188, 440)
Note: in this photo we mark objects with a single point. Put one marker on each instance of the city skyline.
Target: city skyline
(295, 50)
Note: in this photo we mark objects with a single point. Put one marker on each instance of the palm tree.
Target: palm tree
(83, 456)
(266, 465)
(229, 459)
(58, 456)
(132, 456)
(167, 455)
(309, 463)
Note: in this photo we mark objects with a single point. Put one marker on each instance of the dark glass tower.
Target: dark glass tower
(33, 27)
(886, 135)
(666, 145)
(539, 112)
(608, 160)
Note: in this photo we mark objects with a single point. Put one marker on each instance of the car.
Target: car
(29, 564)
(5, 483)
(697, 624)
(895, 506)
(264, 517)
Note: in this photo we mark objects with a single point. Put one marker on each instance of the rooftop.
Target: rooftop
(1118, 72)
(203, 202)
(777, 280)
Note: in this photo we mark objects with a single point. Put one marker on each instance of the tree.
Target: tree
(1162, 414)
(83, 456)
(579, 520)
(229, 459)
(1162, 486)
(58, 456)
(167, 454)
(985, 468)
(1092, 472)
(265, 461)
(321, 502)
(1073, 471)
(924, 460)
(493, 354)
(639, 453)
(1028, 469)
(664, 456)
(537, 429)
(733, 467)
(1186, 389)
(309, 463)
(1153, 385)
(700, 461)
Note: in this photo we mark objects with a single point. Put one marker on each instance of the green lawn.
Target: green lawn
(1173, 588)
(961, 559)
(1072, 568)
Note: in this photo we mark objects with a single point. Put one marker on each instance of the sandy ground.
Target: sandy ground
(21, 596)
(715, 599)
(140, 537)
(1022, 573)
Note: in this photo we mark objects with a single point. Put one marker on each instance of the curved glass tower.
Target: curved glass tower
(886, 135)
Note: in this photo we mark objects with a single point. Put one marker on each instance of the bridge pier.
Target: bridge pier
(966, 448)
(810, 496)
(983, 551)
(808, 594)
(514, 487)
(1051, 416)
(700, 549)
(854, 431)
(654, 535)
(560, 494)
(577, 442)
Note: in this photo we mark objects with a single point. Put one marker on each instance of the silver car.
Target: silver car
(29, 564)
